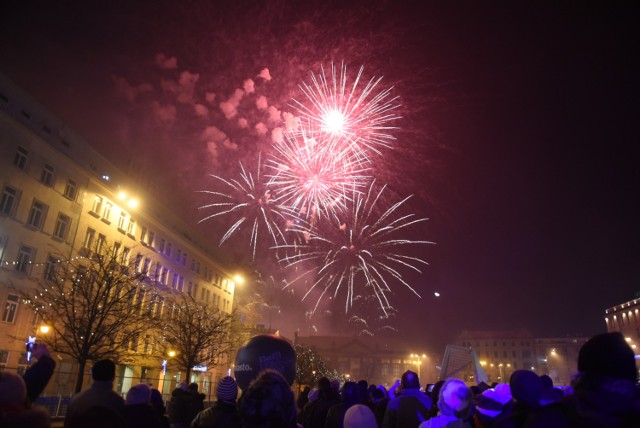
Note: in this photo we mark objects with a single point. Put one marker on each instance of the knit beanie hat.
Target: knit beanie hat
(526, 387)
(359, 416)
(488, 403)
(227, 389)
(608, 355)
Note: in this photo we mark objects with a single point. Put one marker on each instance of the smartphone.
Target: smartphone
(31, 345)
(430, 387)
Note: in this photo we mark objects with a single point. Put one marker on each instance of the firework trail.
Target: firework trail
(360, 251)
(314, 177)
(363, 116)
(252, 202)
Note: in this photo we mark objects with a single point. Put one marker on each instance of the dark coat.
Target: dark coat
(221, 415)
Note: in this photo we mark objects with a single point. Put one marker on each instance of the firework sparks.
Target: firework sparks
(361, 251)
(362, 115)
(252, 202)
(313, 177)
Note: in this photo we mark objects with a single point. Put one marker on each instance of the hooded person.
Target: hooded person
(455, 406)
(268, 402)
(224, 412)
(605, 391)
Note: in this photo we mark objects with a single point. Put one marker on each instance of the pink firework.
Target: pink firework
(362, 115)
(359, 251)
(250, 202)
(314, 177)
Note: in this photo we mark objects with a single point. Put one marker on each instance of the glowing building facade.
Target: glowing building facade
(377, 360)
(61, 200)
(625, 318)
(503, 352)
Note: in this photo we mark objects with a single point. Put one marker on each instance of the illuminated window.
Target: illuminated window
(151, 238)
(8, 203)
(97, 204)
(37, 214)
(10, 308)
(47, 175)
(63, 224)
(21, 157)
(106, 215)
(131, 227)
(146, 265)
(71, 190)
(121, 221)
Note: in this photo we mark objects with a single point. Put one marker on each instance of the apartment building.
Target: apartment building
(60, 200)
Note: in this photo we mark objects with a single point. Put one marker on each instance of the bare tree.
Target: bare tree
(199, 335)
(96, 308)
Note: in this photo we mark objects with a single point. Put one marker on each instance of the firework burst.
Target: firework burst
(250, 201)
(357, 251)
(314, 177)
(362, 114)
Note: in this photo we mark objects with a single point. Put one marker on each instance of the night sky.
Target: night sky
(518, 136)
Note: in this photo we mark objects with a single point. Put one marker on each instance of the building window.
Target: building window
(124, 259)
(97, 204)
(179, 256)
(168, 252)
(138, 263)
(151, 238)
(145, 267)
(9, 200)
(21, 157)
(106, 215)
(37, 214)
(181, 284)
(174, 283)
(63, 225)
(4, 359)
(143, 235)
(89, 237)
(47, 175)
(25, 257)
(131, 227)
(10, 308)
(121, 221)
(100, 243)
(163, 244)
(184, 259)
(71, 190)
(50, 268)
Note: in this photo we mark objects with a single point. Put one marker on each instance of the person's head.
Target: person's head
(350, 393)
(409, 380)
(12, 388)
(546, 382)
(526, 387)
(268, 402)
(324, 388)
(227, 390)
(193, 387)
(156, 399)
(359, 416)
(138, 394)
(104, 370)
(455, 399)
(608, 356)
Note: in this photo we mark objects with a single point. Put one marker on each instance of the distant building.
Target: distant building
(503, 352)
(377, 360)
(60, 200)
(625, 318)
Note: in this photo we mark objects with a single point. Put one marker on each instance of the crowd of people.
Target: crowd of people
(604, 394)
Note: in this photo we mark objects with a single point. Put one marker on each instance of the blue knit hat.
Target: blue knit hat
(227, 389)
